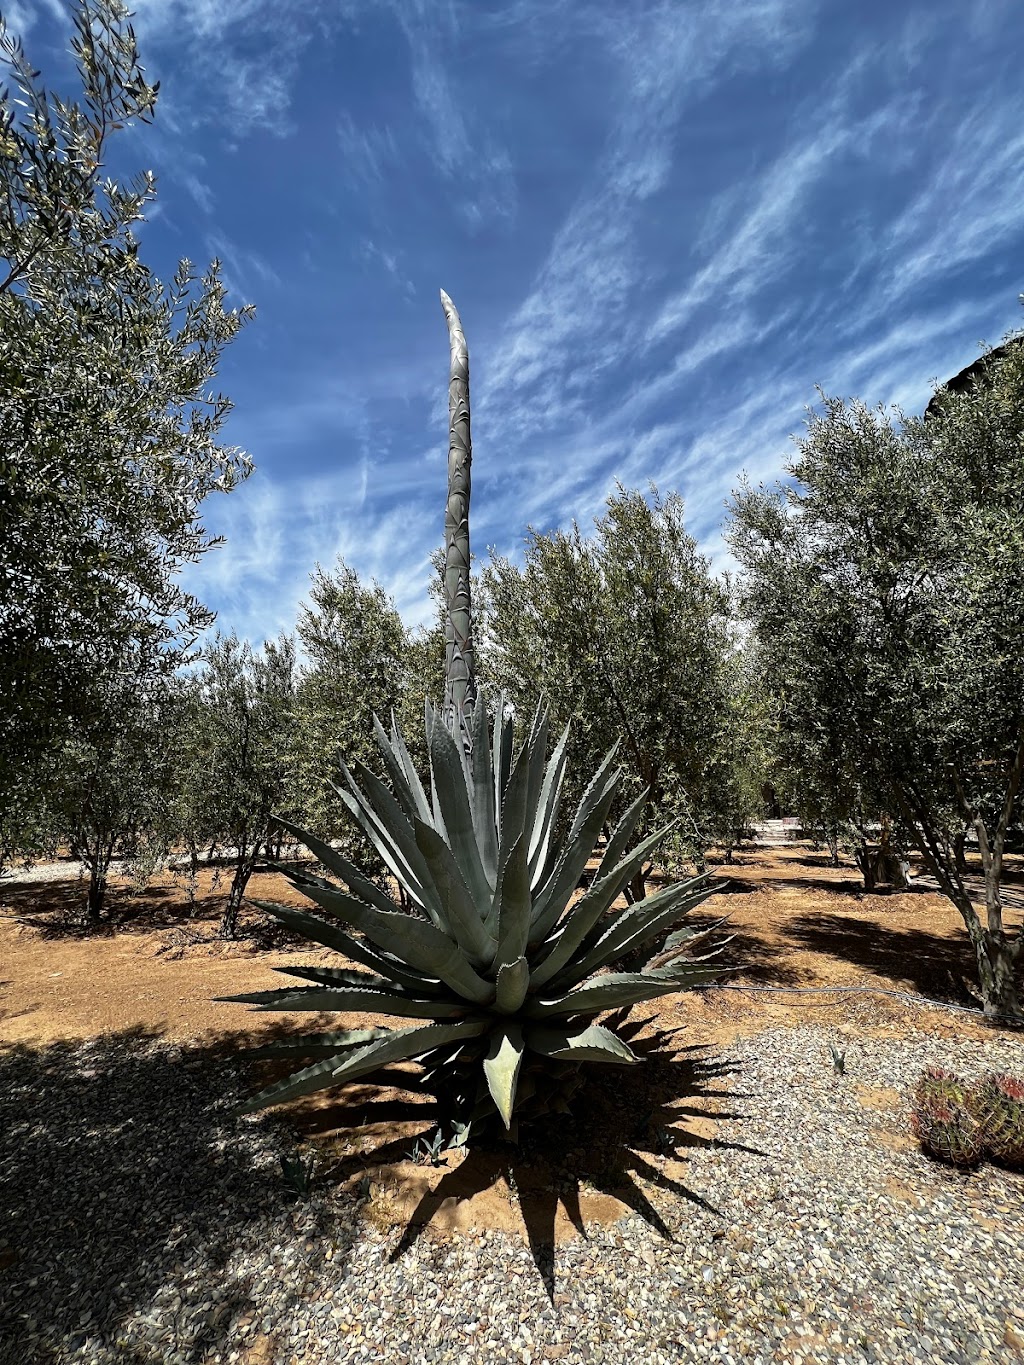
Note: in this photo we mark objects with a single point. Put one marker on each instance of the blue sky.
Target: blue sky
(663, 225)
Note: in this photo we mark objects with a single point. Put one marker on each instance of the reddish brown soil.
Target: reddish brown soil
(795, 921)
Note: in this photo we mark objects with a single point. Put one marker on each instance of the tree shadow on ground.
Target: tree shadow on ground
(628, 1128)
(937, 967)
(848, 887)
(6, 1014)
(55, 910)
(120, 1159)
(756, 959)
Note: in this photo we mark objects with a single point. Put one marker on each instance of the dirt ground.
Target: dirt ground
(155, 970)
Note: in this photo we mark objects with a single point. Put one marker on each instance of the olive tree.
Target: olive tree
(109, 427)
(239, 754)
(737, 771)
(353, 646)
(110, 789)
(625, 633)
(883, 584)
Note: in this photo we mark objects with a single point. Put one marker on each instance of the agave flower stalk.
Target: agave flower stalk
(459, 682)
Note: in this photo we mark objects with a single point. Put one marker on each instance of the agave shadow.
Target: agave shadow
(629, 1129)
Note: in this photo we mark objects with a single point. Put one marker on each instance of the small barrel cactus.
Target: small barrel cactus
(945, 1121)
(998, 1103)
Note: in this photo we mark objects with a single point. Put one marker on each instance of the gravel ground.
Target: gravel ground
(144, 1223)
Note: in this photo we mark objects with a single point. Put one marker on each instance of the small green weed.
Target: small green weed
(299, 1174)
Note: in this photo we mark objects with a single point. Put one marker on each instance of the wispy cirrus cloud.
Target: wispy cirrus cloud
(664, 225)
(746, 308)
(243, 58)
(463, 147)
(580, 316)
(367, 153)
(278, 531)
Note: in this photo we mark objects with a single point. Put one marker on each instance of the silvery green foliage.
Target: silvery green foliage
(882, 583)
(236, 754)
(503, 968)
(109, 425)
(625, 630)
(354, 648)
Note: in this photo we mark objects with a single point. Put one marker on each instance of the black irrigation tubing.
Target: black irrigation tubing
(923, 1001)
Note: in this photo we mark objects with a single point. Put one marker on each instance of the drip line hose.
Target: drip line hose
(923, 1001)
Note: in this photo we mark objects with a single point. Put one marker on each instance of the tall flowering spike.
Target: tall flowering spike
(459, 683)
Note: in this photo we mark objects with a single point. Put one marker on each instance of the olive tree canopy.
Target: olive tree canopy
(883, 584)
(109, 428)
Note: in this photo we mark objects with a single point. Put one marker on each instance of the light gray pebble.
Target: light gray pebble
(150, 1225)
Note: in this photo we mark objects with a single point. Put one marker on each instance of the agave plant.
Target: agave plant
(492, 947)
(509, 967)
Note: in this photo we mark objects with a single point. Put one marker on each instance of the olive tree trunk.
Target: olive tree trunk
(998, 955)
(96, 855)
(245, 865)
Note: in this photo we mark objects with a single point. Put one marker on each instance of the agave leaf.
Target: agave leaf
(483, 791)
(413, 800)
(301, 876)
(573, 1044)
(418, 942)
(617, 989)
(501, 1068)
(412, 777)
(689, 934)
(547, 811)
(382, 841)
(588, 910)
(336, 976)
(513, 811)
(667, 959)
(446, 1060)
(347, 999)
(526, 1088)
(449, 774)
(513, 905)
(638, 925)
(436, 818)
(398, 1046)
(554, 895)
(513, 807)
(622, 834)
(316, 1044)
(513, 983)
(398, 839)
(463, 915)
(537, 746)
(341, 867)
(399, 973)
(417, 987)
(590, 796)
